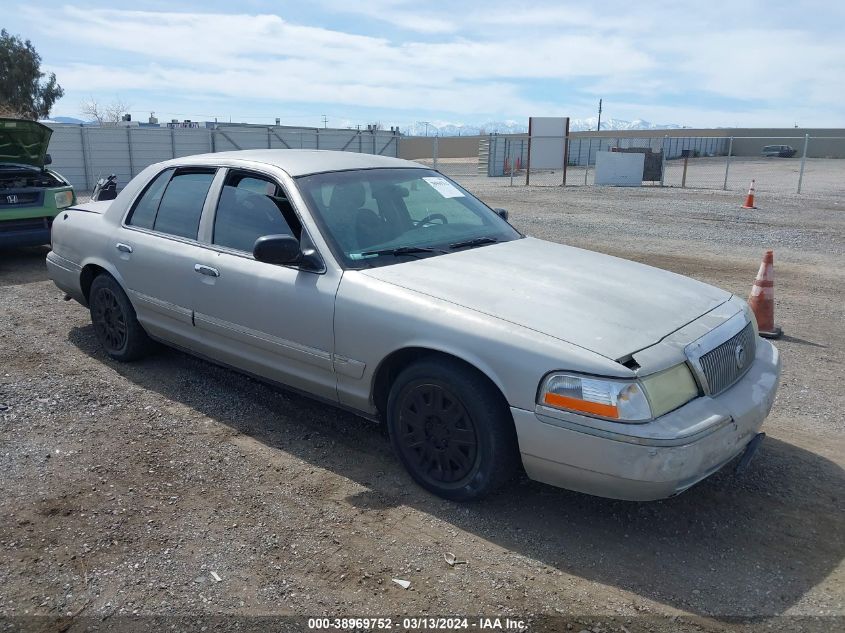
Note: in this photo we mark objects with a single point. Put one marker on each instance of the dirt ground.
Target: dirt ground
(129, 489)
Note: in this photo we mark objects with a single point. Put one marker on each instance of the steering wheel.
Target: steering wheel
(430, 218)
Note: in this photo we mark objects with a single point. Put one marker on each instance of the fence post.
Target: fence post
(83, 137)
(587, 168)
(434, 151)
(803, 160)
(173, 142)
(129, 148)
(511, 157)
(728, 163)
(566, 140)
(663, 166)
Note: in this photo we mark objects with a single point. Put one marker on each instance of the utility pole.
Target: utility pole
(426, 124)
(598, 127)
(325, 121)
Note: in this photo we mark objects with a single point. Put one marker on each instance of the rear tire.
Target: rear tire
(451, 429)
(115, 324)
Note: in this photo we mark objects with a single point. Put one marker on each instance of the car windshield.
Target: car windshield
(376, 217)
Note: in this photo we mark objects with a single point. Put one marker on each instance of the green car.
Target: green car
(30, 194)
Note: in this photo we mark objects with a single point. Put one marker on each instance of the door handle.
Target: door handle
(206, 270)
(123, 248)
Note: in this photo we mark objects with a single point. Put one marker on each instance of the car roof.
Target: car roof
(300, 162)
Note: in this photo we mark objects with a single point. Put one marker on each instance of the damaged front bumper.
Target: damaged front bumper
(655, 460)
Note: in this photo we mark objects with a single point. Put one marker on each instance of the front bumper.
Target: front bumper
(654, 460)
(29, 232)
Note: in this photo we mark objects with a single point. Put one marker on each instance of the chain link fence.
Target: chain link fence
(790, 164)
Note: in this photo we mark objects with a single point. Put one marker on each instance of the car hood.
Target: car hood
(608, 305)
(23, 142)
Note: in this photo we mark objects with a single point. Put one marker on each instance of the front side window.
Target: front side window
(250, 207)
(368, 214)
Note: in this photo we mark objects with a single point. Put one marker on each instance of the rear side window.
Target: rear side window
(144, 213)
(181, 205)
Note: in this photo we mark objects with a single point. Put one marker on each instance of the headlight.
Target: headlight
(620, 400)
(63, 199)
(668, 390)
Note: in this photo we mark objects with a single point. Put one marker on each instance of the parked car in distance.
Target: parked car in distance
(778, 151)
(30, 194)
(381, 286)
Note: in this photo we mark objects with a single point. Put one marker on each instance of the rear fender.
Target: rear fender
(108, 267)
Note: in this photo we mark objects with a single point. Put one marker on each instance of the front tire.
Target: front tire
(115, 324)
(451, 429)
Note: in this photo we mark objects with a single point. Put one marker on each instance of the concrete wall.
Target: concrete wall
(82, 154)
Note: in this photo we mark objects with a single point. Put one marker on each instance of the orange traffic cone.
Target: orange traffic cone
(749, 199)
(762, 298)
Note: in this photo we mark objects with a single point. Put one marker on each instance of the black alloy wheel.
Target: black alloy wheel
(437, 435)
(114, 320)
(451, 428)
(109, 320)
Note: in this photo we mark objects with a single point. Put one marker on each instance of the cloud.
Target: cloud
(267, 57)
(406, 15)
(473, 60)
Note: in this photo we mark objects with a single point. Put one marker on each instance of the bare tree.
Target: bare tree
(104, 113)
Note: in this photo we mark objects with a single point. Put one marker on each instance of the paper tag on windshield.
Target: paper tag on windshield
(444, 187)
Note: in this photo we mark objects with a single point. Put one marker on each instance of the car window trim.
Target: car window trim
(223, 174)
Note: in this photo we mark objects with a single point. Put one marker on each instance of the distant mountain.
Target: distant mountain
(65, 119)
(443, 128)
(513, 127)
(590, 123)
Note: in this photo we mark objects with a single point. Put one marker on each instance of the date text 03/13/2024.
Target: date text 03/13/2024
(426, 623)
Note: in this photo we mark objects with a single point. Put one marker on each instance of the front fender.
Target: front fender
(374, 319)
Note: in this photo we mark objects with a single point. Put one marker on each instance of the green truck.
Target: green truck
(30, 194)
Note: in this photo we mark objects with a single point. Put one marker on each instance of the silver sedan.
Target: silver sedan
(381, 286)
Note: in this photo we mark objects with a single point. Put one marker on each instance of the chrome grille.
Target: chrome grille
(720, 365)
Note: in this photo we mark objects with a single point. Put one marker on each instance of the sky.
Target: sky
(697, 64)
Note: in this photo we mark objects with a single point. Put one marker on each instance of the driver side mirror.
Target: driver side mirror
(277, 249)
(502, 213)
(48, 160)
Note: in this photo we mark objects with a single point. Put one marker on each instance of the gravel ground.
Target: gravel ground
(130, 489)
